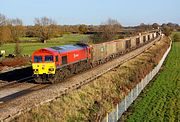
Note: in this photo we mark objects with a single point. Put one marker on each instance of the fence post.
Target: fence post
(150, 76)
(131, 97)
(117, 111)
(137, 88)
(107, 119)
(142, 85)
(125, 104)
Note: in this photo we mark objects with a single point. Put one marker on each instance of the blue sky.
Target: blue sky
(127, 12)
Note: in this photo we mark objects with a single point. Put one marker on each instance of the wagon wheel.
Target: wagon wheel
(76, 69)
(88, 65)
(61, 75)
(54, 79)
(66, 73)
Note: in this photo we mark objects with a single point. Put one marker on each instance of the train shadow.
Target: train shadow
(16, 74)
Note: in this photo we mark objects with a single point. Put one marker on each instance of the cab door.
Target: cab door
(64, 60)
(57, 61)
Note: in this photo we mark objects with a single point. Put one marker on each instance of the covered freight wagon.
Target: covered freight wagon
(104, 51)
(99, 51)
(120, 45)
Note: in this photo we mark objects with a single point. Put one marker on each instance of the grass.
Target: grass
(176, 36)
(30, 47)
(161, 100)
(28, 39)
(173, 33)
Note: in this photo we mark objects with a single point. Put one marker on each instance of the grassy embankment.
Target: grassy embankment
(160, 102)
(92, 101)
(30, 44)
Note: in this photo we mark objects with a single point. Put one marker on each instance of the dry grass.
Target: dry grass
(92, 101)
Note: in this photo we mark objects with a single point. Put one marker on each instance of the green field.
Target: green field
(160, 101)
(175, 33)
(32, 45)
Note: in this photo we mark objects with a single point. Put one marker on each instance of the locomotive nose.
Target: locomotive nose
(44, 68)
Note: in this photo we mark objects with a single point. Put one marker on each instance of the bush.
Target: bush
(167, 30)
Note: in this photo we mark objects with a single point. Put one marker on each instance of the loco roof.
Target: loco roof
(66, 48)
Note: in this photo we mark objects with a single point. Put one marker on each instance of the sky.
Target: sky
(71, 12)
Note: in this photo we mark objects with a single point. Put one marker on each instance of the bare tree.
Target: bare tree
(107, 31)
(83, 29)
(45, 28)
(5, 32)
(143, 27)
(2, 22)
(2, 19)
(155, 25)
(17, 30)
(166, 29)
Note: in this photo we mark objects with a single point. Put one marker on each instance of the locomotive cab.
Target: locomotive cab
(44, 62)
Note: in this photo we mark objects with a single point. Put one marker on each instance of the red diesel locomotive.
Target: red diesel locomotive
(60, 60)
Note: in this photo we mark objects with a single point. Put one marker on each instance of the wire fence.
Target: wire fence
(126, 102)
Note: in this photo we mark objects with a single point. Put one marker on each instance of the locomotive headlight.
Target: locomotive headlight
(35, 70)
(51, 69)
(43, 67)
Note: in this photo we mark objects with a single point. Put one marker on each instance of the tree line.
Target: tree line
(45, 28)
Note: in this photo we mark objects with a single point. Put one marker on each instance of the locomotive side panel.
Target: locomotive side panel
(74, 56)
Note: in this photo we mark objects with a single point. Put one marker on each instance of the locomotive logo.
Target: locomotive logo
(76, 55)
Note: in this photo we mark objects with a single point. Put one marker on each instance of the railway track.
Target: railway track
(41, 94)
(18, 91)
(12, 90)
(17, 82)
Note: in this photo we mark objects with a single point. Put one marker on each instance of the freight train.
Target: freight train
(56, 63)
